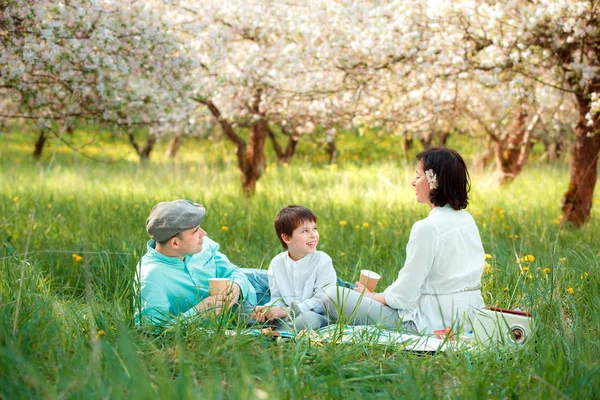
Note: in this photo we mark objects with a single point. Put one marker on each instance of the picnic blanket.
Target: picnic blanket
(368, 334)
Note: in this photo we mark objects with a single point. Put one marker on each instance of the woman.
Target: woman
(439, 285)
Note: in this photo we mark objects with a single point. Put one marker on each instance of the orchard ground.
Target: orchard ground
(72, 231)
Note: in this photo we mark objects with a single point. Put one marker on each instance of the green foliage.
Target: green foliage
(71, 234)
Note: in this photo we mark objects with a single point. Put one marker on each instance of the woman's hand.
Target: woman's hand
(360, 288)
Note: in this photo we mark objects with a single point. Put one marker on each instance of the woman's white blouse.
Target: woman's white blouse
(300, 280)
(439, 283)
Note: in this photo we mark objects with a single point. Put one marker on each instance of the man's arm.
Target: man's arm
(225, 269)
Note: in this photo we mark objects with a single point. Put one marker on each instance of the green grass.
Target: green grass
(74, 336)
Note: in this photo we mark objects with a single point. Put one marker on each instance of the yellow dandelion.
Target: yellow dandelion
(136, 206)
(583, 276)
(49, 205)
(77, 257)
(333, 166)
(505, 289)
(101, 332)
(365, 224)
(571, 290)
(224, 228)
(546, 270)
(555, 221)
(488, 256)
(477, 212)
(16, 198)
(356, 226)
(116, 207)
(343, 223)
(156, 198)
(525, 269)
(530, 276)
(538, 221)
(488, 268)
(562, 259)
(342, 253)
(224, 214)
(71, 197)
(529, 258)
(285, 165)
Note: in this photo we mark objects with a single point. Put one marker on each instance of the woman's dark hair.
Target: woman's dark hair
(291, 217)
(453, 179)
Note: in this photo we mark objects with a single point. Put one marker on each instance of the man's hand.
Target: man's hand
(264, 314)
(215, 302)
(233, 293)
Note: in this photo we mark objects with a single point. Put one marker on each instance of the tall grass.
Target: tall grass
(72, 334)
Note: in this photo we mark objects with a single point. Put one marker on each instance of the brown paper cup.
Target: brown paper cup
(369, 279)
(218, 285)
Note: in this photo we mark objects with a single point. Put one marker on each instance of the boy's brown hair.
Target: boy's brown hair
(291, 217)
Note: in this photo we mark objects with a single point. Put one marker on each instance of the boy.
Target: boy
(297, 274)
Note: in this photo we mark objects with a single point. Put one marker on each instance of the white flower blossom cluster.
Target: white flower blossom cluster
(408, 66)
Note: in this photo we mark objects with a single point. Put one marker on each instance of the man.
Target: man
(173, 275)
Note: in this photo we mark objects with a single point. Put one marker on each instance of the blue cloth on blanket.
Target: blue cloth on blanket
(259, 278)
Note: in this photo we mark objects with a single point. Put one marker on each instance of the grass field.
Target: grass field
(72, 230)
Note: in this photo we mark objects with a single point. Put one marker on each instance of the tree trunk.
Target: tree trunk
(443, 138)
(143, 152)
(147, 149)
(331, 151)
(426, 141)
(485, 157)
(284, 156)
(407, 142)
(512, 153)
(173, 147)
(39, 144)
(255, 156)
(577, 201)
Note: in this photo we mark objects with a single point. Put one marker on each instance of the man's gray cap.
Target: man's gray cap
(168, 218)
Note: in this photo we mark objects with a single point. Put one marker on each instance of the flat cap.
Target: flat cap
(168, 218)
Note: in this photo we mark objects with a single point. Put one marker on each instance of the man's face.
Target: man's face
(190, 241)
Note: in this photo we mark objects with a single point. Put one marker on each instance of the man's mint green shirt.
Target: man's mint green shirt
(170, 288)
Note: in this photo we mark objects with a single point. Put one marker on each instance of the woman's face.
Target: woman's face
(421, 185)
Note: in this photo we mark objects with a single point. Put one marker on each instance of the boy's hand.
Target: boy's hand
(263, 314)
(258, 313)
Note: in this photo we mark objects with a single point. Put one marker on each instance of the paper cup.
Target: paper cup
(218, 285)
(369, 279)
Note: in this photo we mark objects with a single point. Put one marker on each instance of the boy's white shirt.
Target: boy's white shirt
(300, 280)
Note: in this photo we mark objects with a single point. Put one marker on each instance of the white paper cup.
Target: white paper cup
(218, 285)
(369, 279)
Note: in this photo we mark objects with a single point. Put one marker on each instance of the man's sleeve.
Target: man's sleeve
(225, 269)
(154, 306)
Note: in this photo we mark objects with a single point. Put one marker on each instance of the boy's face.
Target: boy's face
(303, 241)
